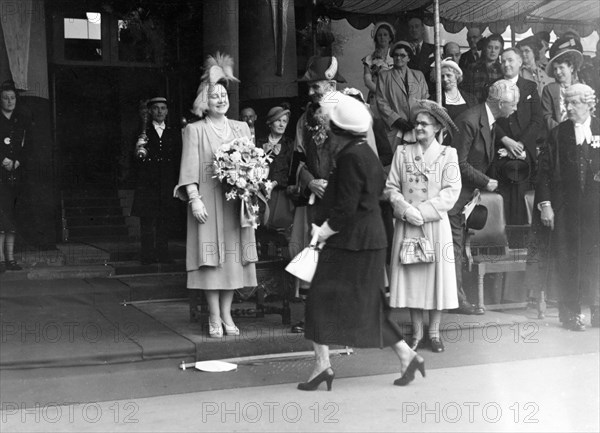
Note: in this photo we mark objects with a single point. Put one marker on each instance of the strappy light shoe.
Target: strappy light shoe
(215, 329)
(230, 329)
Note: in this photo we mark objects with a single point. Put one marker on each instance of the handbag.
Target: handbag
(416, 250)
(304, 265)
(282, 210)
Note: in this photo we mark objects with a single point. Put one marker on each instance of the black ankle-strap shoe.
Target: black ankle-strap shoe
(11, 265)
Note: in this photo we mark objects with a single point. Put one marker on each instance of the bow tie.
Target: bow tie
(159, 126)
(275, 148)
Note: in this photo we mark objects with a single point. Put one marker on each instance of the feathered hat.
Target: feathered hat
(218, 69)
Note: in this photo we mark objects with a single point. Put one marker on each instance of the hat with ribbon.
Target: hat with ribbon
(157, 100)
(385, 25)
(565, 49)
(322, 68)
(435, 110)
(277, 113)
(403, 44)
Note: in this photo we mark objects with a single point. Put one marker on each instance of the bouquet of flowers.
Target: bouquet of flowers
(243, 168)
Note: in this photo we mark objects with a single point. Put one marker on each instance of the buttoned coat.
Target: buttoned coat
(431, 183)
(393, 100)
(219, 253)
(475, 149)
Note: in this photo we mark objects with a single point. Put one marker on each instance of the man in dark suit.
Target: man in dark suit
(474, 54)
(475, 146)
(567, 208)
(423, 52)
(156, 169)
(517, 135)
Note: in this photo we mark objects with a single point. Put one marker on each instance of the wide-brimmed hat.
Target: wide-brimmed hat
(403, 44)
(350, 115)
(513, 170)
(322, 68)
(385, 24)
(277, 113)
(565, 47)
(477, 218)
(157, 100)
(436, 111)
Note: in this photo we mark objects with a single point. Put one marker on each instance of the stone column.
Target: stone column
(220, 24)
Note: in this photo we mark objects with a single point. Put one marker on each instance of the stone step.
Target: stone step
(91, 202)
(97, 231)
(94, 211)
(83, 221)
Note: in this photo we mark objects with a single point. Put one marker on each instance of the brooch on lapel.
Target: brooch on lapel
(595, 142)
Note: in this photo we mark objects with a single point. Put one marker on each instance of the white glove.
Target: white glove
(199, 210)
(323, 233)
(413, 216)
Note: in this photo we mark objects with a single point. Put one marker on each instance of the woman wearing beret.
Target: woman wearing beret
(423, 185)
(346, 302)
(220, 253)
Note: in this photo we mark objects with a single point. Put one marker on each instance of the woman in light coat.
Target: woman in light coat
(423, 185)
(220, 253)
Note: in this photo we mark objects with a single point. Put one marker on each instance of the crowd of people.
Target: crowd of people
(382, 181)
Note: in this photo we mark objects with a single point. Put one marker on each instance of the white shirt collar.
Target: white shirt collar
(514, 79)
(491, 118)
(158, 125)
(583, 131)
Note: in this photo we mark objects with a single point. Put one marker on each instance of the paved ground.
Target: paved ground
(525, 378)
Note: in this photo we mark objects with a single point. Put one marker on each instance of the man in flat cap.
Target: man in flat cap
(156, 167)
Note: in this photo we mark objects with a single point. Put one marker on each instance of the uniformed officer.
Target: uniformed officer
(156, 167)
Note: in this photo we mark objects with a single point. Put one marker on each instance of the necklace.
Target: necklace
(452, 99)
(221, 132)
(273, 140)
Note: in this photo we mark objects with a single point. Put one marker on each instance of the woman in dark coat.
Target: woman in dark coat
(346, 303)
(13, 134)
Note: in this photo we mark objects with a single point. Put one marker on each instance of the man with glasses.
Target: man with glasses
(399, 89)
(475, 146)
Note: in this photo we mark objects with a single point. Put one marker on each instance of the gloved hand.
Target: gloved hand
(413, 216)
(199, 210)
(323, 233)
(403, 125)
(7, 164)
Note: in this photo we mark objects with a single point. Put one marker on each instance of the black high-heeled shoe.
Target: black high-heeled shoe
(417, 363)
(326, 375)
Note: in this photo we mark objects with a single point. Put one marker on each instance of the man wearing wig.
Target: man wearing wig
(568, 207)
